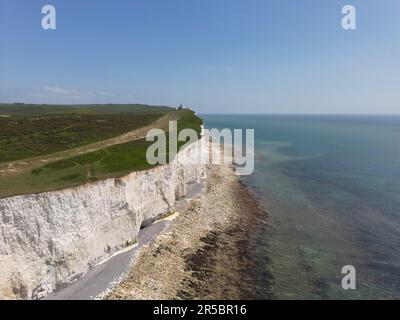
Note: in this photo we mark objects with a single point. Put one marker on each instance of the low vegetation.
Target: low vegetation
(43, 134)
(29, 136)
(7, 109)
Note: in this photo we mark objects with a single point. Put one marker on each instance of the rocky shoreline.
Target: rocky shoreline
(204, 252)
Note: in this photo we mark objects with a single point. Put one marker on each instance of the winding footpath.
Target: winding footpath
(13, 168)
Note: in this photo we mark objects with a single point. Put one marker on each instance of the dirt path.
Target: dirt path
(14, 168)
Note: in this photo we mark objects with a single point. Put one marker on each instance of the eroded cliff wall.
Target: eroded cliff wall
(55, 237)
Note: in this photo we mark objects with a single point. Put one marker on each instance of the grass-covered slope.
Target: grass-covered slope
(7, 109)
(113, 161)
(70, 168)
(30, 136)
(32, 130)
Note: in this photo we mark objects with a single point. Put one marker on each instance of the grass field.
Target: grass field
(45, 109)
(32, 130)
(29, 136)
(70, 169)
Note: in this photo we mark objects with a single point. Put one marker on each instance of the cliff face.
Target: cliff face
(53, 238)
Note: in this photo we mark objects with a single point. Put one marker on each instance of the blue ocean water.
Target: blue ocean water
(331, 188)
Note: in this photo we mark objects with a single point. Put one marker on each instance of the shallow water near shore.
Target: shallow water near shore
(331, 188)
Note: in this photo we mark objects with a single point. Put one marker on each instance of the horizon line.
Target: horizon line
(304, 114)
(207, 113)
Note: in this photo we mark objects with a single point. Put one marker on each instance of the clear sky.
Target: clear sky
(218, 56)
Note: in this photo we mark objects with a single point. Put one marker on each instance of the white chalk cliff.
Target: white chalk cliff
(56, 237)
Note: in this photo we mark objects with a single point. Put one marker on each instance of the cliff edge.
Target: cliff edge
(50, 239)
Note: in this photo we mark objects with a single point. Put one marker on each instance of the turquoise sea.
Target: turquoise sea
(331, 188)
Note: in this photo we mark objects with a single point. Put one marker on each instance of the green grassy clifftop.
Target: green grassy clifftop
(45, 148)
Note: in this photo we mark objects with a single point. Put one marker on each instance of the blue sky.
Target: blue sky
(218, 56)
